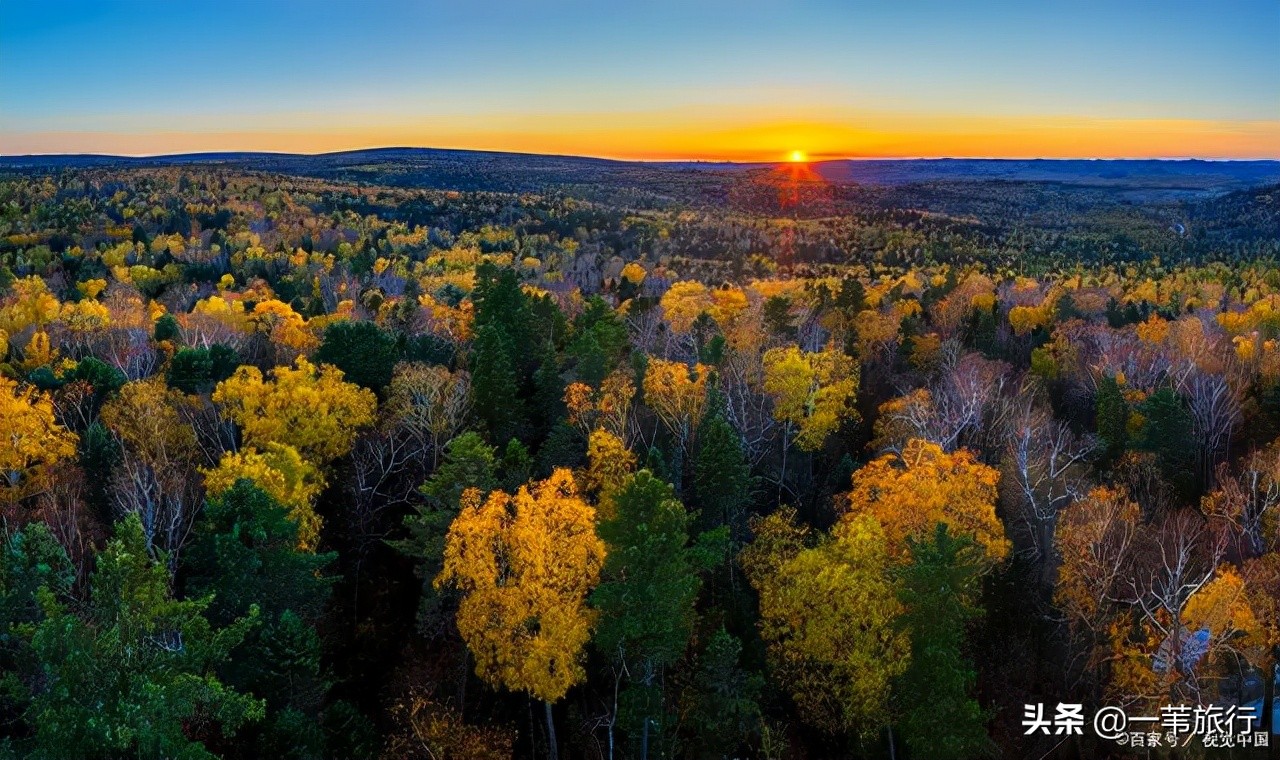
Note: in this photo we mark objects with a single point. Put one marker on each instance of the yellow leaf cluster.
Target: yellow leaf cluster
(31, 440)
(911, 493)
(677, 393)
(309, 408)
(525, 564)
(813, 391)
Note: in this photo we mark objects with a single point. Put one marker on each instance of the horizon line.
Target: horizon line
(616, 159)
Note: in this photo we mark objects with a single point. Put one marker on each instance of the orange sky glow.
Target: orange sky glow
(695, 135)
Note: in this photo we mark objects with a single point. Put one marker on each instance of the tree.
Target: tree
(813, 393)
(307, 407)
(157, 477)
(827, 612)
(468, 463)
(1168, 432)
(31, 441)
(609, 465)
(364, 352)
(429, 402)
(677, 393)
(646, 595)
(31, 559)
(722, 702)
(245, 558)
(136, 673)
(722, 477)
(524, 565)
(493, 383)
(938, 590)
(908, 494)
(284, 475)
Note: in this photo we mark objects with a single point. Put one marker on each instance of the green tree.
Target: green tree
(245, 557)
(1168, 431)
(646, 597)
(721, 704)
(722, 477)
(468, 462)
(136, 673)
(494, 386)
(1111, 412)
(938, 590)
(365, 353)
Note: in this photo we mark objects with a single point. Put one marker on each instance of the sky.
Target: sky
(742, 80)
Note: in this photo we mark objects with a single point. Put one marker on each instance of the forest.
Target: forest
(416, 457)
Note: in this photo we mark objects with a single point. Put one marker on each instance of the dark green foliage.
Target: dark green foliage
(99, 454)
(1111, 415)
(198, 370)
(777, 317)
(191, 371)
(493, 385)
(135, 673)
(167, 328)
(940, 717)
(245, 557)
(1168, 432)
(721, 704)
(245, 554)
(365, 353)
(104, 378)
(468, 463)
(564, 447)
(646, 598)
(721, 477)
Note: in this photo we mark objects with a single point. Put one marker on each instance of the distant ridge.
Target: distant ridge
(496, 170)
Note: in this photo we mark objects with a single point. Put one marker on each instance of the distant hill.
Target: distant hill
(518, 172)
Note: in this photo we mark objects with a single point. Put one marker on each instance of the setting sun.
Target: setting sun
(798, 156)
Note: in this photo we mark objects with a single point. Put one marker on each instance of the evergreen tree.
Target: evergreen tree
(493, 385)
(722, 477)
(1111, 413)
(245, 557)
(136, 673)
(646, 598)
(938, 589)
(365, 353)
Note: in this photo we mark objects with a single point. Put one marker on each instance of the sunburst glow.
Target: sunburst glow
(798, 157)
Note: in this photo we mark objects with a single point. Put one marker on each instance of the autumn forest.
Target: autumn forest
(418, 454)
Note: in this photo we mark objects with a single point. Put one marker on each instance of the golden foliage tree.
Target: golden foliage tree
(609, 462)
(677, 393)
(309, 408)
(31, 440)
(827, 612)
(911, 492)
(524, 564)
(813, 392)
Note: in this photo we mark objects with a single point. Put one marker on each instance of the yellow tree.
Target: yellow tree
(910, 493)
(813, 392)
(609, 462)
(677, 393)
(157, 478)
(682, 304)
(307, 407)
(31, 441)
(281, 472)
(524, 565)
(827, 612)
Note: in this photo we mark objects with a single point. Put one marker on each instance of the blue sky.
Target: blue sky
(78, 69)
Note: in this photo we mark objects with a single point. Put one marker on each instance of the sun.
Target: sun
(798, 157)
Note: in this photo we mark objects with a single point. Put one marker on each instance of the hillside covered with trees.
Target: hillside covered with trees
(375, 458)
